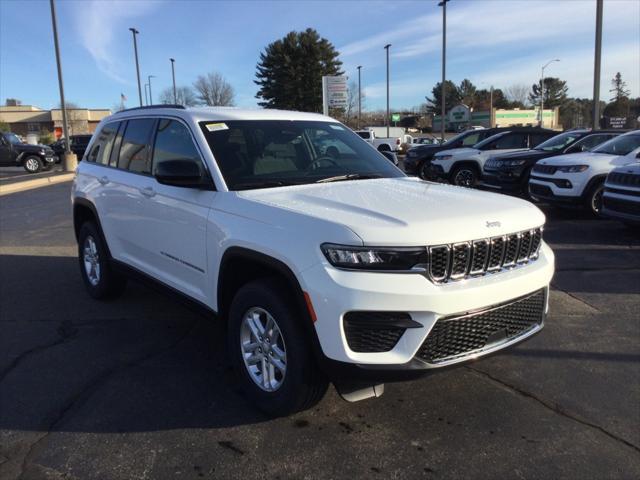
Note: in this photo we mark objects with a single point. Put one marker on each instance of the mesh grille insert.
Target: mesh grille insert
(374, 331)
(455, 337)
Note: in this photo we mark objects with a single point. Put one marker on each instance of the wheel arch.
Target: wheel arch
(240, 265)
(465, 163)
(83, 211)
(593, 181)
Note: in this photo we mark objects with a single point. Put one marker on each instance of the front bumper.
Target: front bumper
(511, 181)
(434, 172)
(565, 189)
(623, 206)
(335, 292)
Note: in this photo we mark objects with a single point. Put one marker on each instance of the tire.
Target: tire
(464, 176)
(33, 164)
(593, 199)
(384, 148)
(301, 384)
(99, 278)
(422, 170)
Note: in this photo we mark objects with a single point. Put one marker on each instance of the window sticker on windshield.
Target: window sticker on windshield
(336, 127)
(212, 127)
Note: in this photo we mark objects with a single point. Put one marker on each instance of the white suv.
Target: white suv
(324, 267)
(621, 197)
(578, 178)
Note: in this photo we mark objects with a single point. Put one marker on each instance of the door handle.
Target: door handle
(148, 192)
(103, 180)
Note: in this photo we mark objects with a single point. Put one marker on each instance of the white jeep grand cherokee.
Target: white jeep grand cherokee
(324, 267)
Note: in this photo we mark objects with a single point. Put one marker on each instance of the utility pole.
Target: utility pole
(542, 90)
(359, 97)
(149, 77)
(596, 67)
(173, 75)
(386, 47)
(443, 4)
(135, 50)
(63, 105)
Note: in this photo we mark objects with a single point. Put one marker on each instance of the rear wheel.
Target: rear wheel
(464, 176)
(97, 274)
(33, 164)
(270, 351)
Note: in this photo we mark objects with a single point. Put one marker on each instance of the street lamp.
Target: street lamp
(443, 4)
(542, 89)
(146, 94)
(135, 50)
(63, 105)
(596, 67)
(173, 75)
(386, 47)
(149, 77)
(359, 97)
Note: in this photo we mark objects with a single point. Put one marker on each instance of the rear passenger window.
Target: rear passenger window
(538, 138)
(173, 142)
(134, 151)
(103, 144)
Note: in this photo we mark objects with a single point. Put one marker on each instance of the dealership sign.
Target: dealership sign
(334, 92)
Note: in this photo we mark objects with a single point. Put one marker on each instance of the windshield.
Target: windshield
(621, 145)
(560, 141)
(12, 138)
(486, 141)
(272, 153)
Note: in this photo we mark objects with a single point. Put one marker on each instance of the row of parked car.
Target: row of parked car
(15, 152)
(594, 169)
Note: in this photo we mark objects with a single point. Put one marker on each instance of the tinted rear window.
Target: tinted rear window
(134, 151)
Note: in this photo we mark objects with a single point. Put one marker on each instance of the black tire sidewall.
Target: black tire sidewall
(599, 186)
(288, 398)
(457, 170)
(38, 159)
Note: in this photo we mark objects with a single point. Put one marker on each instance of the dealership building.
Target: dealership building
(31, 122)
(462, 117)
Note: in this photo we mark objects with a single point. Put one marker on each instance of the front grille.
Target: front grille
(374, 331)
(479, 257)
(620, 178)
(455, 337)
(546, 169)
(622, 206)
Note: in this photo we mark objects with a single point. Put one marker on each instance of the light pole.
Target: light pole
(491, 107)
(542, 90)
(63, 105)
(596, 67)
(149, 77)
(443, 4)
(146, 94)
(173, 75)
(386, 47)
(135, 50)
(359, 96)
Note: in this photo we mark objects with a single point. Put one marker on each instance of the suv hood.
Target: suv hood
(589, 158)
(27, 147)
(459, 152)
(404, 211)
(524, 154)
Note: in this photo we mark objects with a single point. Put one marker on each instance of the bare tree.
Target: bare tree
(213, 90)
(518, 93)
(184, 95)
(77, 118)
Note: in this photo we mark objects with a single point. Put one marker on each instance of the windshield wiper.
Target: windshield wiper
(265, 184)
(349, 176)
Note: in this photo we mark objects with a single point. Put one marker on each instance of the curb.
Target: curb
(36, 183)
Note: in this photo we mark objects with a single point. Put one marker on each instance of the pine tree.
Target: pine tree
(619, 89)
(290, 71)
(555, 92)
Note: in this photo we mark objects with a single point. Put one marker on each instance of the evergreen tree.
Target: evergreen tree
(290, 71)
(555, 92)
(619, 89)
(467, 91)
(451, 98)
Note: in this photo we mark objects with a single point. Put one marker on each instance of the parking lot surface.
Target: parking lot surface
(139, 387)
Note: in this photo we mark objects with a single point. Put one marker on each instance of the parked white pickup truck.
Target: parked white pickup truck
(390, 144)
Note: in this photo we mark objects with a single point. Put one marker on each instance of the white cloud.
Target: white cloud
(98, 22)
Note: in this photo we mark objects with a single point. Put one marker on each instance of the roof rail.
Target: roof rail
(150, 107)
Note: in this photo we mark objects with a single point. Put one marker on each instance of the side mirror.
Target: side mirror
(638, 155)
(183, 172)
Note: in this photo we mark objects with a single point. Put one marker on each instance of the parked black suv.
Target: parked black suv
(15, 153)
(78, 146)
(418, 157)
(509, 172)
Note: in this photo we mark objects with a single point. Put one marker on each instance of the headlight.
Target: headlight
(374, 258)
(442, 157)
(512, 163)
(573, 168)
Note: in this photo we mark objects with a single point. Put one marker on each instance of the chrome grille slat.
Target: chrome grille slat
(462, 260)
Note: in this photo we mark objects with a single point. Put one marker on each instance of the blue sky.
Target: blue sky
(499, 42)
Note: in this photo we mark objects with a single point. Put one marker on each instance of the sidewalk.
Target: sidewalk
(16, 179)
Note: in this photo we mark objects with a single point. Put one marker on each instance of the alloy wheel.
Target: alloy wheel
(263, 349)
(464, 178)
(91, 260)
(32, 164)
(596, 200)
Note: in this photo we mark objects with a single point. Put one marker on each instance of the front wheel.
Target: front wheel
(33, 164)
(464, 176)
(270, 351)
(594, 199)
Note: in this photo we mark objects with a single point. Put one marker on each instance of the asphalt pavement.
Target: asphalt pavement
(139, 388)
